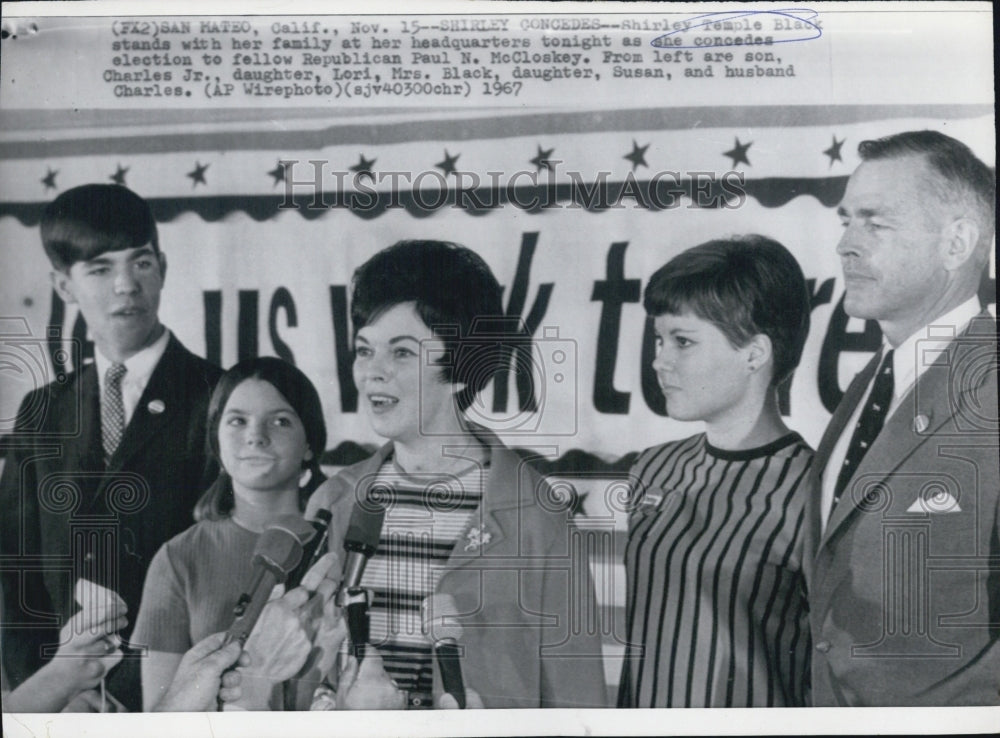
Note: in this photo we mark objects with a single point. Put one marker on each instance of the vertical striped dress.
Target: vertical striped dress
(715, 607)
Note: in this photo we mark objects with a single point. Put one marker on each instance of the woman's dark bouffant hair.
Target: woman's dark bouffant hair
(455, 294)
(295, 387)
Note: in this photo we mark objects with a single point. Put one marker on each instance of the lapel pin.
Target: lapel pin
(477, 538)
(156, 407)
(652, 499)
(921, 423)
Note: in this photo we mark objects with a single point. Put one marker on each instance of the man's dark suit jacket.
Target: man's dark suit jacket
(66, 515)
(904, 582)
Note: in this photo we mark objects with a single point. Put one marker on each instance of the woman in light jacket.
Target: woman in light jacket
(470, 528)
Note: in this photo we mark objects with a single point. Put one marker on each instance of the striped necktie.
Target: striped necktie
(112, 410)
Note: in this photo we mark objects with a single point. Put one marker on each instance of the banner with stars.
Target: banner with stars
(572, 209)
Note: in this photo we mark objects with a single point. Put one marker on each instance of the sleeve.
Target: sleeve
(572, 657)
(24, 591)
(163, 623)
(977, 680)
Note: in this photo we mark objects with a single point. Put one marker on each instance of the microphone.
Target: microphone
(438, 622)
(278, 551)
(360, 542)
(313, 549)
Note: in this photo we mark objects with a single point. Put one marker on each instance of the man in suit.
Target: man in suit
(903, 556)
(107, 465)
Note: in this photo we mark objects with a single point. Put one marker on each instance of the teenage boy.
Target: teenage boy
(112, 466)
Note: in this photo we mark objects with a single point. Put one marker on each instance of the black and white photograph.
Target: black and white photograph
(575, 360)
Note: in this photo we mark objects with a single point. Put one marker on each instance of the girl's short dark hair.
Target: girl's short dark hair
(745, 286)
(295, 387)
(89, 220)
(456, 295)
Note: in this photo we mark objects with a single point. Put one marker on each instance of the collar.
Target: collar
(510, 482)
(139, 367)
(918, 352)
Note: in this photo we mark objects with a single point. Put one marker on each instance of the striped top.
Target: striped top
(715, 608)
(426, 515)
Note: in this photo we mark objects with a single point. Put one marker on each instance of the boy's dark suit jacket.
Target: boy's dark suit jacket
(904, 597)
(66, 515)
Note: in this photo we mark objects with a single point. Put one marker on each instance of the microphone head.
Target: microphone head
(364, 528)
(279, 547)
(438, 618)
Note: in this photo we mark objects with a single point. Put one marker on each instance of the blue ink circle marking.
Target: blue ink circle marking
(707, 19)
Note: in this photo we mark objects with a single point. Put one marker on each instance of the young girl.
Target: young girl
(265, 427)
(716, 609)
(464, 531)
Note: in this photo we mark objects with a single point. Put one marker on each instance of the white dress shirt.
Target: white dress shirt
(910, 360)
(138, 369)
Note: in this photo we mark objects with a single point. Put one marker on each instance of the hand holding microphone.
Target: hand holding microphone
(271, 634)
(201, 677)
(278, 552)
(323, 619)
(322, 623)
(89, 649)
(438, 620)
